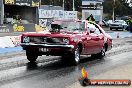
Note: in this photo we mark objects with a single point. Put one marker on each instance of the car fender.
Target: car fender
(76, 40)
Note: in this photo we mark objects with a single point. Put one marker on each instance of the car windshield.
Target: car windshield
(68, 26)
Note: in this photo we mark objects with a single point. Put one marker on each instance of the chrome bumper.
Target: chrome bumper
(46, 45)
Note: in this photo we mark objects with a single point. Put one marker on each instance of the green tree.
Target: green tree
(121, 7)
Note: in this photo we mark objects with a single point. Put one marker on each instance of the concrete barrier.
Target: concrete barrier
(16, 40)
(10, 41)
(2, 44)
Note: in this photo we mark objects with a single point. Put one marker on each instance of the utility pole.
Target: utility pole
(37, 12)
(63, 5)
(73, 6)
(113, 11)
(40, 3)
(1, 12)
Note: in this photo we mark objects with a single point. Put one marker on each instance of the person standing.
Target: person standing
(129, 21)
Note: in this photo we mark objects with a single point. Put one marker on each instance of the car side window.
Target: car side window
(94, 27)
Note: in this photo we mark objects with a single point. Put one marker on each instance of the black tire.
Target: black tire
(94, 56)
(31, 56)
(127, 28)
(123, 29)
(75, 56)
(101, 55)
(110, 28)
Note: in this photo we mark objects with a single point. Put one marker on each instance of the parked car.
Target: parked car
(109, 22)
(119, 24)
(68, 39)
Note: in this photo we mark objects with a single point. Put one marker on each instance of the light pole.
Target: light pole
(73, 6)
(113, 16)
(1, 11)
(63, 5)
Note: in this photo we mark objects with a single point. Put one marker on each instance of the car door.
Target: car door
(84, 37)
(96, 39)
(89, 40)
(87, 44)
(99, 39)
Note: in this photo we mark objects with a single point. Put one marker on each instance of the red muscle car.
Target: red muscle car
(67, 39)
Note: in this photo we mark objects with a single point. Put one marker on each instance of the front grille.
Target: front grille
(46, 40)
(36, 39)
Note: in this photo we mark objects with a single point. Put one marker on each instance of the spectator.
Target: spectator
(129, 21)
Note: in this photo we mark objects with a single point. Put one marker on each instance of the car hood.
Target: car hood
(51, 34)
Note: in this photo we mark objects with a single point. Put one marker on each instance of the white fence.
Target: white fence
(58, 14)
(50, 13)
(10, 41)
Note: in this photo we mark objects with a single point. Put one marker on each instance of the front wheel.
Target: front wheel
(75, 56)
(100, 55)
(31, 56)
(127, 28)
(110, 28)
(123, 28)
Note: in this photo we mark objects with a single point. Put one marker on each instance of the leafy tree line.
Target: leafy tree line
(67, 3)
(121, 8)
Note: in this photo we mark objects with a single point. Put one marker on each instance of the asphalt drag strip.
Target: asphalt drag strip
(52, 73)
(17, 68)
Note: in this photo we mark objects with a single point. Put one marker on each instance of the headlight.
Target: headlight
(66, 41)
(25, 39)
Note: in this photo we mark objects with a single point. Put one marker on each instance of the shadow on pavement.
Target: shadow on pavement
(58, 64)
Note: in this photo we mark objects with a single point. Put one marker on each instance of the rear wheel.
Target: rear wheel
(31, 56)
(110, 28)
(102, 53)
